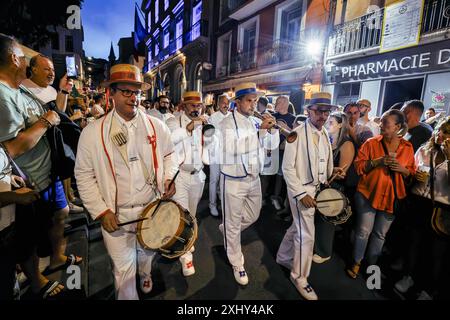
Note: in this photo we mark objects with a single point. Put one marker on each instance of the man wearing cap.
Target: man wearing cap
(214, 160)
(307, 163)
(190, 144)
(124, 162)
(161, 111)
(364, 108)
(244, 139)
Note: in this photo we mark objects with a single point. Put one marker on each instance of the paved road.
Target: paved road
(214, 278)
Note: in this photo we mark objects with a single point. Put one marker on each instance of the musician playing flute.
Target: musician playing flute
(244, 139)
(307, 163)
(125, 162)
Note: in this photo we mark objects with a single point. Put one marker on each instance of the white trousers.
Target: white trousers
(241, 205)
(127, 255)
(214, 179)
(189, 190)
(297, 246)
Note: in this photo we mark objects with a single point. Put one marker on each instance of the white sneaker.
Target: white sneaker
(146, 284)
(304, 288)
(240, 275)
(276, 204)
(318, 259)
(75, 209)
(404, 284)
(213, 210)
(188, 267)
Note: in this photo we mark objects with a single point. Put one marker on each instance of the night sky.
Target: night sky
(105, 21)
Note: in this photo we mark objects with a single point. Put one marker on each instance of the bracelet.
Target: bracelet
(47, 123)
(64, 91)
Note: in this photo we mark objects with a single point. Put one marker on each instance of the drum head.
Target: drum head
(331, 208)
(156, 232)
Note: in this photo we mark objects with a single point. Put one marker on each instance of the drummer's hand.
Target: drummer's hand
(308, 202)
(110, 221)
(168, 193)
(339, 172)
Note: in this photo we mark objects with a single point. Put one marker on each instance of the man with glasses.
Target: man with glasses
(161, 110)
(364, 109)
(307, 163)
(124, 162)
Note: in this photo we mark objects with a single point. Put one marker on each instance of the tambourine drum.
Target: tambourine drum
(440, 221)
(333, 206)
(172, 230)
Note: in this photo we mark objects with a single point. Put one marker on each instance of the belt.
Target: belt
(133, 206)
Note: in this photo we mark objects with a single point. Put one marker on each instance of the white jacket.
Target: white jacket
(301, 160)
(94, 169)
(243, 144)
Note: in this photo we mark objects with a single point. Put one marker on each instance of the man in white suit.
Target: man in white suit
(243, 142)
(191, 146)
(214, 166)
(307, 163)
(124, 162)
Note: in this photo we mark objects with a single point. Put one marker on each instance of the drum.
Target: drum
(333, 206)
(172, 230)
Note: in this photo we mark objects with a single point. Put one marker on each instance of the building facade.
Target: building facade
(176, 47)
(356, 67)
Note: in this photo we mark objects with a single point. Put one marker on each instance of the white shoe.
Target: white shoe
(276, 204)
(146, 284)
(305, 289)
(318, 259)
(75, 209)
(240, 275)
(188, 267)
(404, 284)
(213, 210)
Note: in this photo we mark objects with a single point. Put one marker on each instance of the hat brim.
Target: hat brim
(257, 93)
(144, 85)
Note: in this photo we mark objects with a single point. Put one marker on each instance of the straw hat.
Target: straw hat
(321, 99)
(245, 88)
(193, 97)
(125, 73)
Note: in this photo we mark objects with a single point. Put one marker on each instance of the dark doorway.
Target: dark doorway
(402, 90)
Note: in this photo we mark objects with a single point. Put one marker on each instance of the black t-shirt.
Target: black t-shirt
(419, 135)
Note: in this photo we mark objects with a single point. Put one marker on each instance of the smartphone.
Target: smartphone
(71, 67)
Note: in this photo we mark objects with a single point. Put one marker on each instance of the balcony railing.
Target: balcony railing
(365, 32)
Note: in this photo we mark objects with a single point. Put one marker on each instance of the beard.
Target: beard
(163, 110)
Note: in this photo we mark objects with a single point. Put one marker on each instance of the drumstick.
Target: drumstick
(130, 222)
(168, 188)
(329, 200)
(334, 177)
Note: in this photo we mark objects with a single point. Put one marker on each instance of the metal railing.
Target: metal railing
(365, 32)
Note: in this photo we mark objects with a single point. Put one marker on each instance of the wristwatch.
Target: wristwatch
(64, 91)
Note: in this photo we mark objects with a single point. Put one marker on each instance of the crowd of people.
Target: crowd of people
(392, 173)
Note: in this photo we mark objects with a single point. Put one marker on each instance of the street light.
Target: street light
(314, 47)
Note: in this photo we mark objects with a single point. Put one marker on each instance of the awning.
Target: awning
(292, 76)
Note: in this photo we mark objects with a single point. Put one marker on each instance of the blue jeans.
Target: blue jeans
(371, 228)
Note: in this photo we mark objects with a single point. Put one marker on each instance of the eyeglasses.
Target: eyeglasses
(128, 93)
(361, 105)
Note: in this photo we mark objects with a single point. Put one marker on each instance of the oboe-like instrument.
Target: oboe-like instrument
(291, 136)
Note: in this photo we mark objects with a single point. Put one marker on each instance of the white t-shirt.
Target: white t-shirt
(7, 214)
(44, 94)
(372, 125)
